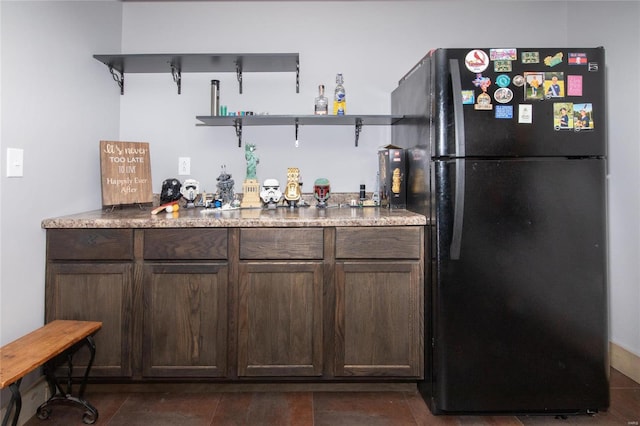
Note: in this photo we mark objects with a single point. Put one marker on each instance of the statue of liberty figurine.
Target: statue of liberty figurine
(251, 187)
(252, 160)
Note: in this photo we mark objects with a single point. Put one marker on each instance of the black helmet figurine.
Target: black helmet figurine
(170, 190)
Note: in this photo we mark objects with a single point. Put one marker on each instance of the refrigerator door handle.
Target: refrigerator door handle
(458, 208)
(458, 113)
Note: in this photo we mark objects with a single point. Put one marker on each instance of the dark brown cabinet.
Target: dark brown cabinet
(95, 290)
(185, 320)
(280, 302)
(185, 288)
(294, 303)
(379, 302)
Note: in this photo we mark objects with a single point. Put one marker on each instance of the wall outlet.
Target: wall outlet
(184, 166)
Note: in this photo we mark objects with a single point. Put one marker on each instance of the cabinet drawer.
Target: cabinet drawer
(185, 244)
(392, 242)
(90, 244)
(281, 243)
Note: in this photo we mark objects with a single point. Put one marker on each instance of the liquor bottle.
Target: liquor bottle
(339, 97)
(321, 102)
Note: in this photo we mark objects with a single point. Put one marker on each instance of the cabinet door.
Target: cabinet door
(280, 319)
(95, 292)
(185, 320)
(379, 321)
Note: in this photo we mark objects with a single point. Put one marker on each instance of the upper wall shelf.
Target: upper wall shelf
(298, 120)
(176, 64)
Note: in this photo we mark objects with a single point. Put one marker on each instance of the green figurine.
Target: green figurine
(252, 160)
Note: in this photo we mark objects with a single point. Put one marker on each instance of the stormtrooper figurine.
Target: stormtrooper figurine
(270, 193)
(190, 191)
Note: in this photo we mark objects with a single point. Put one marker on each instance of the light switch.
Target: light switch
(15, 162)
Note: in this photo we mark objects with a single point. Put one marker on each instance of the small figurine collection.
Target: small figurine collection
(268, 195)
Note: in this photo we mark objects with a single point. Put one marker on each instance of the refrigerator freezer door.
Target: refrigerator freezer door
(520, 317)
(501, 131)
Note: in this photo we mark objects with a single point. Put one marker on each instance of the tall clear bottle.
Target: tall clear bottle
(339, 97)
(321, 104)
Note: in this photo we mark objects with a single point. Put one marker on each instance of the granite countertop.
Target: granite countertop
(141, 217)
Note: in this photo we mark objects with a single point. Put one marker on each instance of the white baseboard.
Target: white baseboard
(32, 398)
(624, 361)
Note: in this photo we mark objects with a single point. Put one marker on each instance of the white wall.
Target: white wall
(58, 102)
(623, 46)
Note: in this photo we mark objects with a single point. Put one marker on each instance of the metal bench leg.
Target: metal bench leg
(15, 402)
(61, 396)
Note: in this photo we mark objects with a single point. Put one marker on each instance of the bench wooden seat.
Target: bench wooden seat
(40, 348)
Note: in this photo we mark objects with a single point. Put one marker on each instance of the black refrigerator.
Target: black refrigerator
(506, 155)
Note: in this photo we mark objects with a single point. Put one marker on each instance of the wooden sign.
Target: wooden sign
(126, 173)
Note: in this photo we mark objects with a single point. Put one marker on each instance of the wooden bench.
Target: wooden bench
(43, 347)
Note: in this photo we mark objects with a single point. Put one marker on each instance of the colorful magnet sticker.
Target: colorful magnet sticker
(530, 57)
(583, 117)
(533, 83)
(484, 102)
(563, 115)
(503, 95)
(503, 80)
(554, 85)
(482, 82)
(525, 113)
(552, 61)
(503, 54)
(502, 66)
(476, 61)
(518, 80)
(577, 59)
(574, 85)
(468, 97)
(504, 111)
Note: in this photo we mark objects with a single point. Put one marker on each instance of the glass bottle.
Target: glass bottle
(339, 97)
(321, 103)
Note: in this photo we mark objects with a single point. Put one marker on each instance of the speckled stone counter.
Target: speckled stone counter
(134, 217)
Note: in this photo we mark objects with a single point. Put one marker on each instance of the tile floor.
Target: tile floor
(314, 408)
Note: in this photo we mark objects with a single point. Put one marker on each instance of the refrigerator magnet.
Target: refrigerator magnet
(563, 115)
(533, 81)
(554, 85)
(518, 80)
(530, 57)
(503, 54)
(503, 95)
(484, 102)
(525, 113)
(482, 82)
(574, 85)
(468, 97)
(503, 80)
(502, 66)
(582, 117)
(504, 111)
(552, 61)
(476, 61)
(577, 59)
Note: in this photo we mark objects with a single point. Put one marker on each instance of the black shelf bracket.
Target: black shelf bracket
(297, 125)
(118, 77)
(176, 73)
(239, 76)
(237, 123)
(298, 76)
(358, 129)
